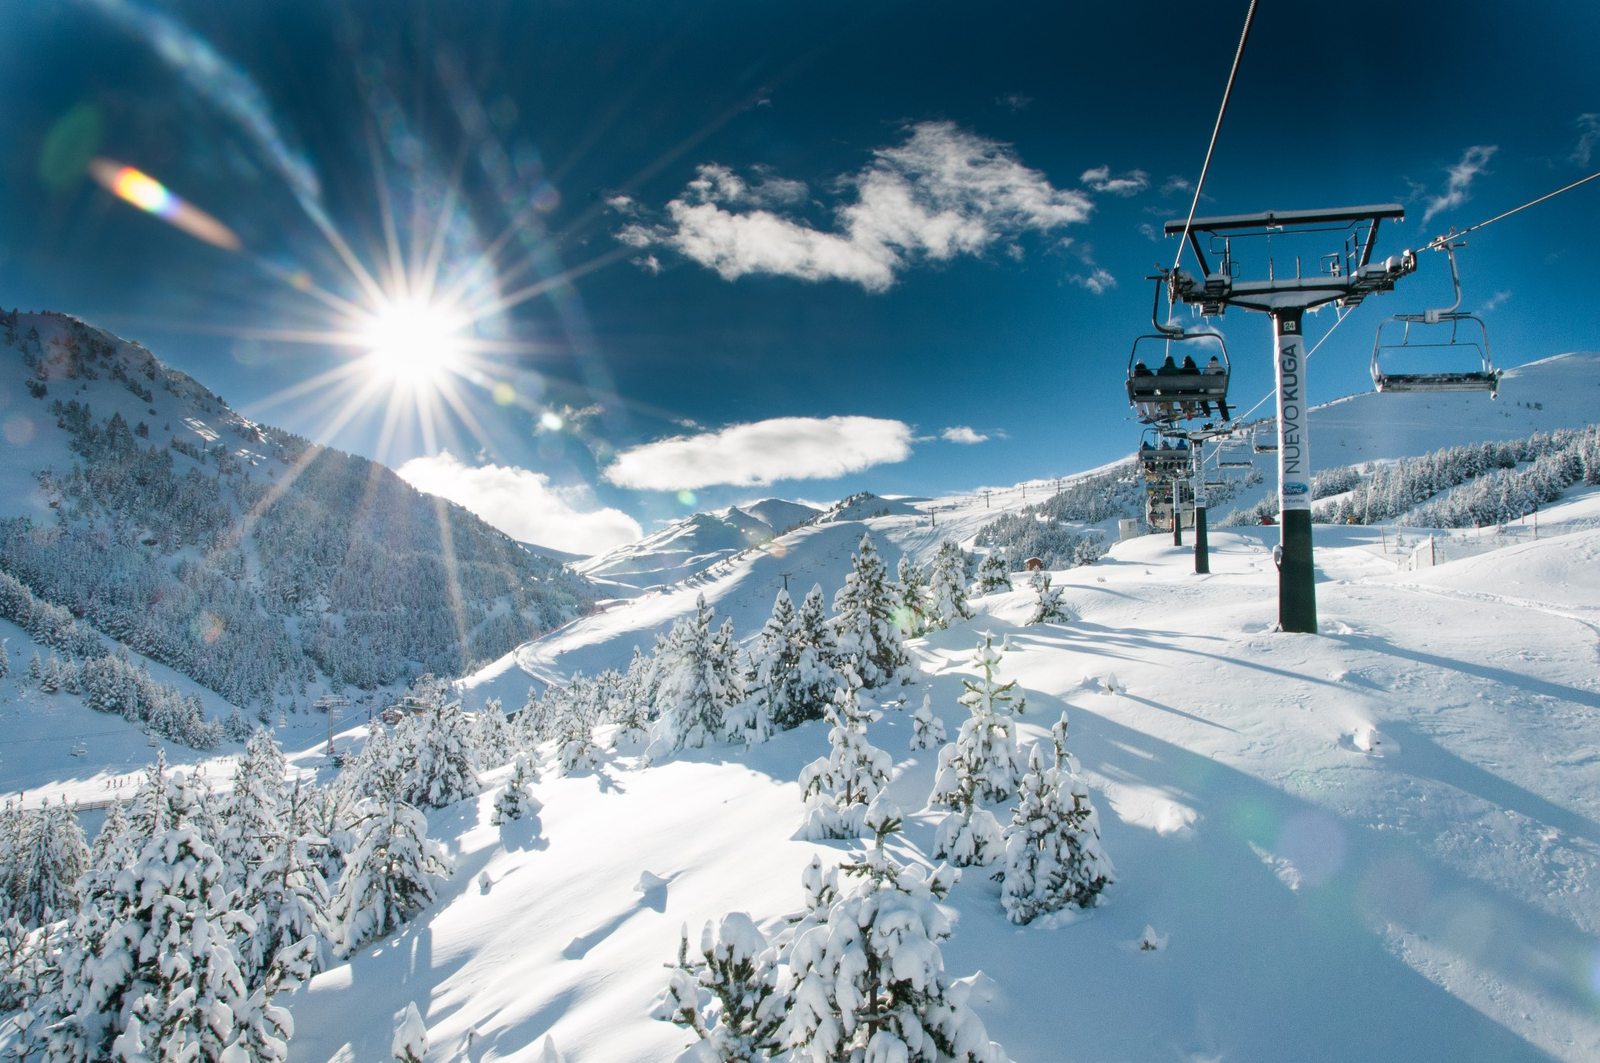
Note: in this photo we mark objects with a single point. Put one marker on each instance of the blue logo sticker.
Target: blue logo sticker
(1296, 489)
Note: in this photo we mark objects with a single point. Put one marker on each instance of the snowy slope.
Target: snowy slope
(1382, 842)
(688, 547)
(1558, 392)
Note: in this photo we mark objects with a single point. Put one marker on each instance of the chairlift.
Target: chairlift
(80, 749)
(1161, 457)
(1190, 374)
(1264, 438)
(1448, 331)
(1158, 505)
(1232, 446)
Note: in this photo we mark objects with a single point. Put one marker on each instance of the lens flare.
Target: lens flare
(151, 196)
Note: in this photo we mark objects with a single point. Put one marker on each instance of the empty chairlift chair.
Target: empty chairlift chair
(1406, 346)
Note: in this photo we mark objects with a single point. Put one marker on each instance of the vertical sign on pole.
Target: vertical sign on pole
(1297, 592)
(1202, 553)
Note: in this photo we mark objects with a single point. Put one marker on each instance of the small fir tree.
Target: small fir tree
(728, 993)
(869, 980)
(839, 787)
(911, 598)
(49, 858)
(694, 690)
(517, 800)
(927, 730)
(1053, 854)
(993, 573)
(491, 738)
(864, 621)
(982, 764)
(947, 590)
(389, 874)
(441, 755)
(1048, 608)
(410, 1044)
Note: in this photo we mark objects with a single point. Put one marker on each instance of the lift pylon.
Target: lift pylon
(1345, 277)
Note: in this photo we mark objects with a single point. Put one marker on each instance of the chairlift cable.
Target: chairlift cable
(1438, 242)
(1233, 74)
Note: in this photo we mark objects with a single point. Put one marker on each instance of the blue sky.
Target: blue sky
(709, 252)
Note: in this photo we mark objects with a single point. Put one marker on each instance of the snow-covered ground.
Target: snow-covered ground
(1379, 842)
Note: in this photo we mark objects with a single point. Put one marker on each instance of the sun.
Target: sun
(413, 342)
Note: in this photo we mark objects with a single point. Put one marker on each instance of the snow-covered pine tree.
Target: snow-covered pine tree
(517, 800)
(236, 728)
(632, 709)
(773, 679)
(150, 962)
(491, 738)
(410, 1044)
(286, 896)
(728, 993)
(730, 667)
(35, 669)
(818, 672)
(869, 980)
(388, 876)
(252, 811)
(1048, 608)
(439, 747)
(50, 675)
(911, 598)
(981, 765)
(864, 623)
(694, 696)
(5, 660)
(927, 730)
(576, 750)
(947, 587)
(49, 858)
(993, 573)
(983, 761)
(839, 787)
(1053, 852)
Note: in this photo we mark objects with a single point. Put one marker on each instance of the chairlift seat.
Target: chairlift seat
(1446, 332)
(1468, 381)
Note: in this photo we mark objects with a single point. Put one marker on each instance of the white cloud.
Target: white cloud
(1175, 184)
(523, 504)
(1588, 136)
(1098, 282)
(1494, 301)
(1472, 163)
(1129, 184)
(962, 434)
(1015, 101)
(763, 452)
(943, 192)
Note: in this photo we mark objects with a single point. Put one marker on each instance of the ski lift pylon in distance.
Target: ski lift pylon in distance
(1406, 346)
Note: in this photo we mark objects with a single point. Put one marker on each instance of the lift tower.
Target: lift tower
(1345, 277)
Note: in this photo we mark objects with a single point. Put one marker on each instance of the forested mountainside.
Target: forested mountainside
(250, 559)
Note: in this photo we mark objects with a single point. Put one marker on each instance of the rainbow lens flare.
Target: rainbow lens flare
(151, 196)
